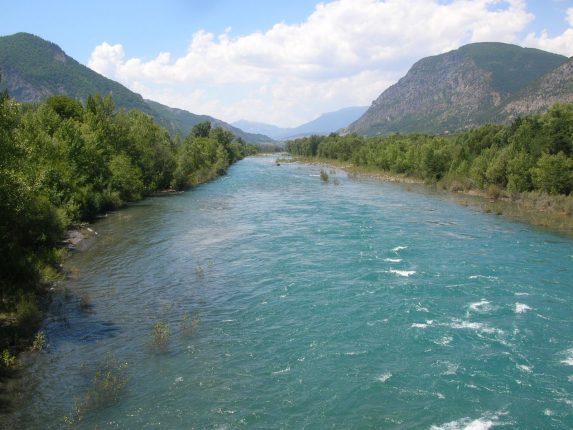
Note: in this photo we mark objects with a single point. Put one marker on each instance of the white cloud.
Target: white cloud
(562, 44)
(346, 53)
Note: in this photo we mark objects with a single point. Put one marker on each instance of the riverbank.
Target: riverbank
(537, 208)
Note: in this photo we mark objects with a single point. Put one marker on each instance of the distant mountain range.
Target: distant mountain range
(326, 123)
(34, 69)
(468, 87)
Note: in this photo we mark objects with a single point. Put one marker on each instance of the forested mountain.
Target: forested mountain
(324, 124)
(456, 90)
(34, 69)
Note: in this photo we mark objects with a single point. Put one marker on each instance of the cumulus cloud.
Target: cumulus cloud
(562, 44)
(346, 53)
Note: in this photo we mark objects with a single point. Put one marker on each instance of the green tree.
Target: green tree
(202, 129)
(126, 178)
(558, 124)
(66, 107)
(553, 174)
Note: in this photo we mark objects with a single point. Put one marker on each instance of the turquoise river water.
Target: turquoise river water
(357, 306)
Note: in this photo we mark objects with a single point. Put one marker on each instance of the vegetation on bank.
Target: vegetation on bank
(61, 163)
(530, 160)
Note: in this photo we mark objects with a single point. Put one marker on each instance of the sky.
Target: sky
(281, 62)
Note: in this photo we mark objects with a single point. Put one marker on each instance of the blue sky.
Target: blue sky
(280, 62)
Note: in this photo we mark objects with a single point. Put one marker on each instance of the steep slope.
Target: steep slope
(185, 120)
(537, 97)
(34, 69)
(324, 124)
(455, 90)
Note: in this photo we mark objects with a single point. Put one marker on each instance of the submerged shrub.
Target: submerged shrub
(159, 339)
(39, 342)
(199, 270)
(323, 175)
(188, 325)
(85, 300)
(109, 380)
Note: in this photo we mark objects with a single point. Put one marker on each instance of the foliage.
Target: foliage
(110, 378)
(202, 129)
(159, 339)
(189, 324)
(7, 360)
(323, 175)
(66, 107)
(199, 270)
(531, 154)
(39, 342)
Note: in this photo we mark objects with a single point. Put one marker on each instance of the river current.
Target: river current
(351, 306)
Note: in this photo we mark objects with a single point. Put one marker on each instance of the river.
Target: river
(351, 306)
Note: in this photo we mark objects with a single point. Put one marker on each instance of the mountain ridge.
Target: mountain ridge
(34, 69)
(456, 90)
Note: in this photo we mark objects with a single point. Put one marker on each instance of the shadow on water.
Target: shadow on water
(67, 324)
(70, 321)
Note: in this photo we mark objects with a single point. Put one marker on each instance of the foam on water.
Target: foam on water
(524, 368)
(482, 306)
(467, 424)
(393, 260)
(418, 325)
(444, 341)
(399, 248)
(467, 325)
(384, 377)
(520, 308)
(569, 359)
(404, 273)
(356, 353)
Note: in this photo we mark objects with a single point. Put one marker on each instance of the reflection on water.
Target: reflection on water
(353, 306)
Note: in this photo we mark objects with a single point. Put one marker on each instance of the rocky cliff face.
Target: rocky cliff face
(20, 88)
(455, 90)
(536, 98)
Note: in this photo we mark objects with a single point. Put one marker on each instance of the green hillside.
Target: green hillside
(49, 71)
(34, 69)
(512, 67)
